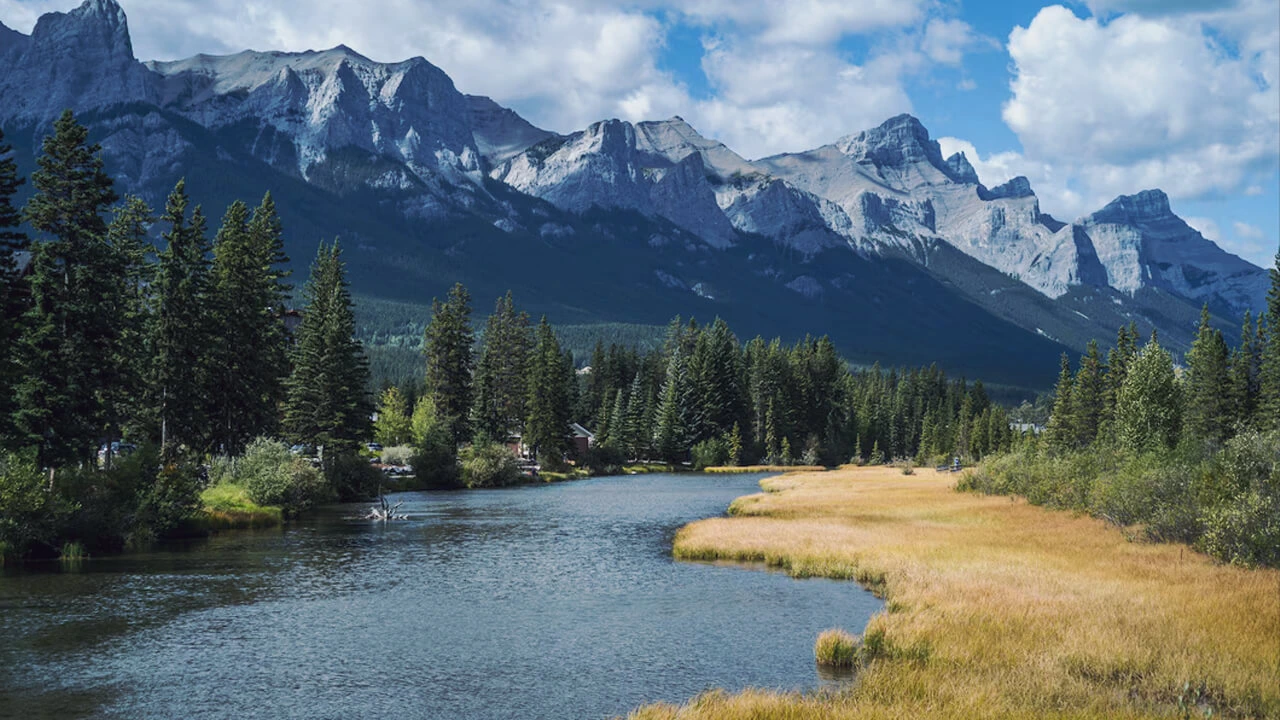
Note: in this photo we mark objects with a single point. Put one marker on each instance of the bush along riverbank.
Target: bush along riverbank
(1000, 609)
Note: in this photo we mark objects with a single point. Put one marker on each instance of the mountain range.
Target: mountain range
(900, 254)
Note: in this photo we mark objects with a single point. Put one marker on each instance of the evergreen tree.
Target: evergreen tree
(1088, 396)
(1242, 380)
(125, 396)
(327, 403)
(66, 348)
(670, 434)
(448, 347)
(247, 303)
(1118, 361)
(393, 426)
(502, 371)
(1149, 406)
(1207, 412)
(181, 332)
(547, 424)
(13, 296)
(1269, 371)
(1060, 431)
(735, 446)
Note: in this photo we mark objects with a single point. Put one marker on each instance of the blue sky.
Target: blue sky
(1090, 98)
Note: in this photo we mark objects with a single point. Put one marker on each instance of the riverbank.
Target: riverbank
(996, 608)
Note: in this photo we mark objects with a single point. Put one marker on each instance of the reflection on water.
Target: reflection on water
(541, 602)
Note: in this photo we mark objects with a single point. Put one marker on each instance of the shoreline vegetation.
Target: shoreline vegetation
(998, 608)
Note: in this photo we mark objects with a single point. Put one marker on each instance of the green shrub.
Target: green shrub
(488, 465)
(435, 459)
(1244, 531)
(30, 515)
(606, 459)
(712, 452)
(398, 455)
(352, 477)
(274, 477)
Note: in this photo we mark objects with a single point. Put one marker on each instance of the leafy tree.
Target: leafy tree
(1207, 412)
(1149, 406)
(502, 371)
(66, 348)
(393, 426)
(327, 402)
(448, 347)
(181, 333)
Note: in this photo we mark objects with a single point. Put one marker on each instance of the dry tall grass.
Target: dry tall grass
(997, 609)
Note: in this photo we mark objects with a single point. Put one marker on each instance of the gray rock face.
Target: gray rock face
(500, 133)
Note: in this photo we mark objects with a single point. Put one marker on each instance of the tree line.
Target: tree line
(701, 396)
(107, 341)
(1189, 453)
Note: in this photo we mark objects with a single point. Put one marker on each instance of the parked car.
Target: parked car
(117, 449)
(374, 447)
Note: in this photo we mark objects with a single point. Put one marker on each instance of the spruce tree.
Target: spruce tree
(1087, 397)
(546, 428)
(502, 370)
(1118, 360)
(1242, 378)
(66, 348)
(1269, 370)
(13, 295)
(670, 433)
(181, 332)
(1207, 414)
(125, 397)
(327, 403)
(246, 304)
(447, 344)
(1060, 431)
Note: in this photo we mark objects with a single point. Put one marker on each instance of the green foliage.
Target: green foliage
(447, 344)
(30, 515)
(393, 426)
(501, 391)
(327, 403)
(546, 428)
(13, 295)
(273, 476)
(352, 478)
(712, 452)
(488, 464)
(1149, 406)
(1208, 415)
(1269, 364)
(435, 460)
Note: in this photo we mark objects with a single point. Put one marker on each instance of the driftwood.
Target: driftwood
(385, 511)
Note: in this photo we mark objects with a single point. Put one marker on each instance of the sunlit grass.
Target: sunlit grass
(762, 468)
(995, 608)
(836, 648)
(227, 506)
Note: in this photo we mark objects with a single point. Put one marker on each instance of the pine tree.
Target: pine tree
(1269, 372)
(1088, 396)
(502, 371)
(13, 295)
(327, 403)
(547, 424)
(125, 396)
(1149, 406)
(672, 428)
(181, 333)
(448, 345)
(247, 301)
(735, 446)
(1206, 390)
(1242, 380)
(393, 425)
(1118, 361)
(1060, 432)
(66, 347)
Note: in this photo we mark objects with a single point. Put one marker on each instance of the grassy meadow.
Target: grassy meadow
(999, 609)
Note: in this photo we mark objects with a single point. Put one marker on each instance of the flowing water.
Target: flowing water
(557, 601)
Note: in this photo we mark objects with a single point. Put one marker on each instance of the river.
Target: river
(558, 601)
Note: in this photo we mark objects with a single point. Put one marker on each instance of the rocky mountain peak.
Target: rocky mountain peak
(961, 169)
(903, 141)
(96, 29)
(1018, 187)
(1145, 206)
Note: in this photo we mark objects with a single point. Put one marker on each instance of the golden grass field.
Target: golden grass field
(998, 609)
